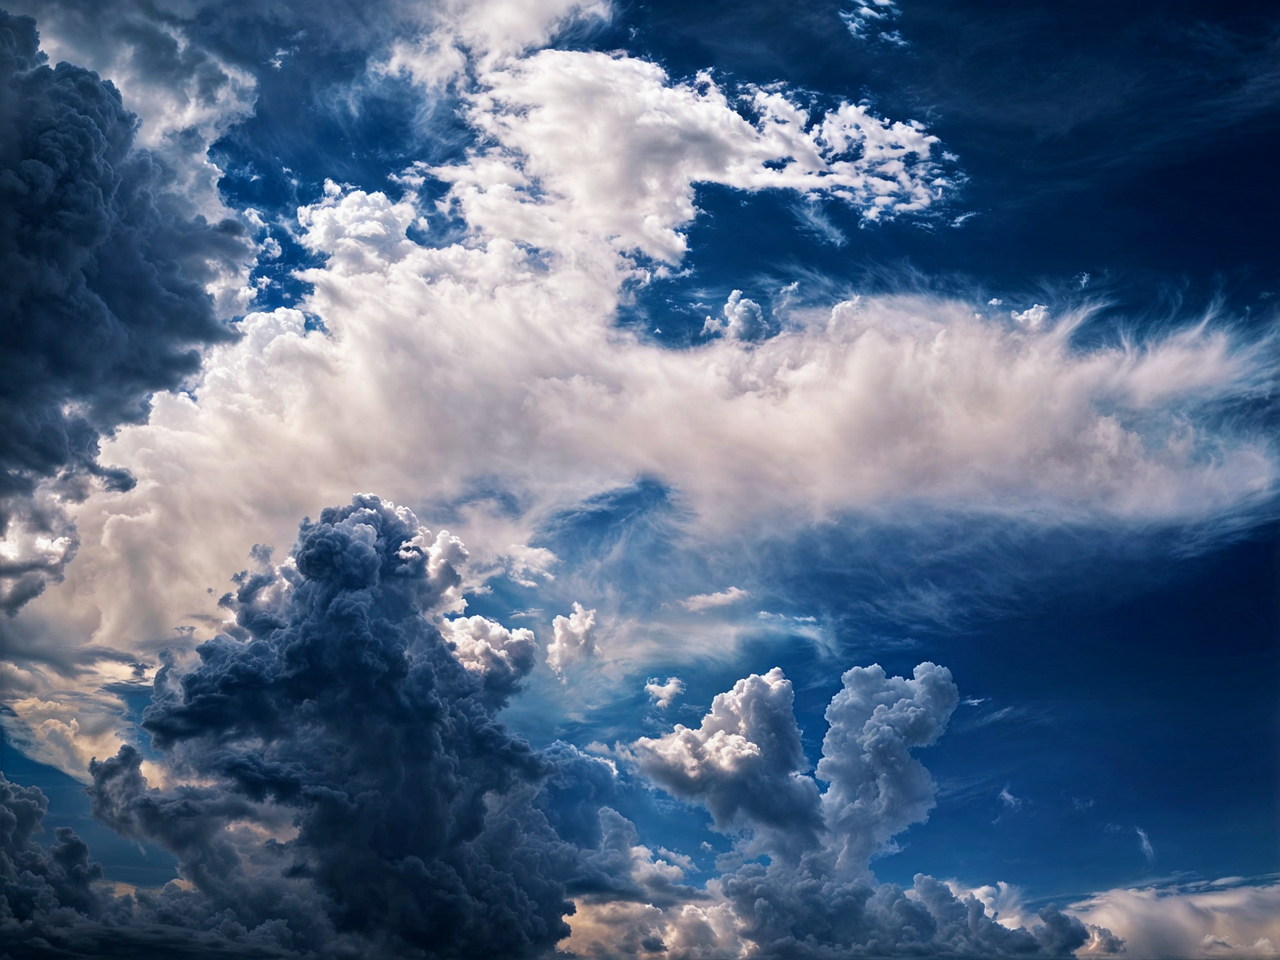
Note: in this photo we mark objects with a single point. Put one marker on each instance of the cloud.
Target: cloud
(815, 896)
(1217, 919)
(103, 302)
(500, 655)
(575, 639)
(743, 762)
(487, 352)
(870, 20)
(36, 883)
(663, 694)
(630, 186)
(1009, 800)
(336, 782)
(877, 788)
(743, 320)
(1144, 842)
(708, 601)
(1033, 317)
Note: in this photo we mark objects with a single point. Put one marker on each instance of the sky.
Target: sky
(588, 479)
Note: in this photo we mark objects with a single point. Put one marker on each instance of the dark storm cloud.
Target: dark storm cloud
(399, 815)
(38, 883)
(103, 301)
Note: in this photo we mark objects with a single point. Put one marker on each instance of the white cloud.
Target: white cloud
(575, 639)
(706, 601)
(664, 693)
(815, 895)
(1033, 317)
(743, 762)
(594, 153)
(1144, 842)
(1190, 921)
(497, 357)
(485, 646)
(877, 787)
(868, 19)
(743, 319)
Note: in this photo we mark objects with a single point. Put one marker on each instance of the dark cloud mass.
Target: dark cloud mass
(338, 723)
(336, 783)
(103, 301)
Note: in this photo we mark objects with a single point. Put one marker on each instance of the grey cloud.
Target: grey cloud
(877, 788)
(103, 302)
(340, 783)
(816, 897)
(743, 763)
(352, 790)
(37, 884)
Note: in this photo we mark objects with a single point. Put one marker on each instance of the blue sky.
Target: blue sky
(702, 357)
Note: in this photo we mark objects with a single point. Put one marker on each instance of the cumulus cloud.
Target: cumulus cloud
(574, 640)
(707, 601)
(743, 319)
(629, 187)
(877, 787)
(103, 301)
(663, 694)
(36, 885)
(743, 762)
(502, 656)
(336, 782)
(1034, 316)
(815, 895)
(870, 21)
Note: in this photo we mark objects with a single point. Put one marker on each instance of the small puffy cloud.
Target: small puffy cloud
(575, 639)
(1033, 317)
(707, 601)
(743, 319)
(503, 656)
(664, 693)
(869, 19)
